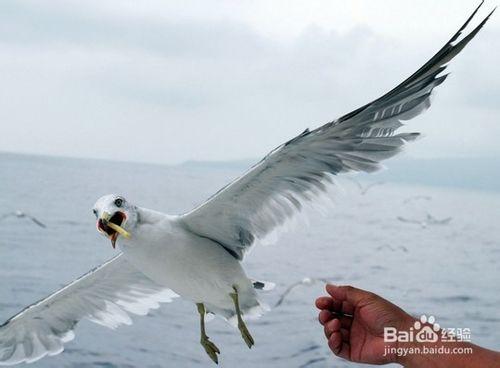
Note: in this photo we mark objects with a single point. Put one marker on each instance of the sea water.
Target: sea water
(450, 271)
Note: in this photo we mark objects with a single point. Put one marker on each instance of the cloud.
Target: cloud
(84, 79)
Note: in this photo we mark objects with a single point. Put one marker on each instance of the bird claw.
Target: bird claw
(211, 349)
(241, 324)
(246, 335)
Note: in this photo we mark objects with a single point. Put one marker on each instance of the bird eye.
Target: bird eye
(118, 202)
(95, 212)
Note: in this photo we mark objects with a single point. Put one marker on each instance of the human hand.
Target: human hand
(354, 322)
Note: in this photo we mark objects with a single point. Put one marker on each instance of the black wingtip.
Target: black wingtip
(459, 32)
(485, 19)
(472, 15)
(491, 13)
(457, 47)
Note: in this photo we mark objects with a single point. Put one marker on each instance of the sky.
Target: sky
(166, 82)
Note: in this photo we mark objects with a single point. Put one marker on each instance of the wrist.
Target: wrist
(411, 355)
(442, 351)
(422, 344)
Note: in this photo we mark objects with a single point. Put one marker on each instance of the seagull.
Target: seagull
(197, 255)
(21, 214)
(429, 220)
(364, 189)
(307, 281)
(434, 221)
(393, 249)
(417, 198)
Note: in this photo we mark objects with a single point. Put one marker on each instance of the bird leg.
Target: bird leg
(208, 345)
(241, 324)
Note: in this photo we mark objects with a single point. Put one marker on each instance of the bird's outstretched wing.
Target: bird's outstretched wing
(410, 221)
(417, 197)
(36, 221)
(304, 281)
(434, 221)
(370, 186)
(21, 214)
(298, 171)
(106, 295)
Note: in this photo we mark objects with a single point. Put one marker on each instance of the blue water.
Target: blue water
(449, 271)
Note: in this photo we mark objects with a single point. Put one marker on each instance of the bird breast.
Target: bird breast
(196, 268)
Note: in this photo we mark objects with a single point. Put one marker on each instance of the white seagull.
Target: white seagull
(428, 221)
(307, 281)
(21, 214)
(198, 255)
(363, 190)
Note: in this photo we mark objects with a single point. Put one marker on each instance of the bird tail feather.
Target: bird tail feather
(263, 285)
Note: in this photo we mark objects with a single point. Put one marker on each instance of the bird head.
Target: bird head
(115, 217)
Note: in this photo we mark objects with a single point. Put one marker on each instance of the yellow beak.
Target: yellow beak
(120, 230)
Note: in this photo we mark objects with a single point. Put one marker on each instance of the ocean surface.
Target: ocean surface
(450, 271)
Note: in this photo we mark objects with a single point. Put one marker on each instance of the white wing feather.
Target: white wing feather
(276, 188)
(107, 295)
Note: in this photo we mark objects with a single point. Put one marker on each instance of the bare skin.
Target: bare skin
(354, 322)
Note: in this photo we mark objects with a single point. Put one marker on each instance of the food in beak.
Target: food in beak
(119, 229)
(111, 226)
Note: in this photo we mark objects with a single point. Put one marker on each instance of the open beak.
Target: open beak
(111, 226)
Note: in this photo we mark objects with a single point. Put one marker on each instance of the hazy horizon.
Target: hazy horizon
(474, 173)
(244, 160)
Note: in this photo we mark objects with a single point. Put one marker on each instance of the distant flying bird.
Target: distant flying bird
(364, 189)
(429, 220)
(412, 221)
(198, 254)
(306, 281)
(393, 249)
(21, 215)
(417, 198)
